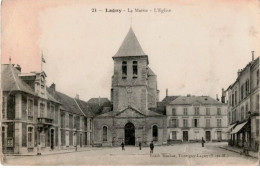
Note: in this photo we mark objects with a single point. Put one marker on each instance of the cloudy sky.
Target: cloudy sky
(196, 48)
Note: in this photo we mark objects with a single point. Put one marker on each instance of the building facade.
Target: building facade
(191, 118)
(33, 115)
(243, 107)
(133, 94)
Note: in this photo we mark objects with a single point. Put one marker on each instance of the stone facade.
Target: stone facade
(133, 93)
(243, 107)
(191, 118)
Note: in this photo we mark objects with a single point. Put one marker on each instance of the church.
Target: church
(134, 96)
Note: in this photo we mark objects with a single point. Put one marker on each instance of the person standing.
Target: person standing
(202, 142)
(140, 145)
(151, 147)
(123, 145)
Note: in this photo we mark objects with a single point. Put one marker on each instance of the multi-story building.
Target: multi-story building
(33, 114)
(191, 118)
(243, 106)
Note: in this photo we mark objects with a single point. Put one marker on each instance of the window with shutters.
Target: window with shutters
(197, 110)
(174, 123)
(30, 136)
(207, 122)
(4, 107)
(257, 102)
(207, 111)
(124, 70)
(30, 108)
(174, 112)
(257, 77)
(185, 122)
(42, 110)
(218, 122)
(218, 111)
(185, 111)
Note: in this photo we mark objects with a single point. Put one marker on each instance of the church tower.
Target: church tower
(133, 83)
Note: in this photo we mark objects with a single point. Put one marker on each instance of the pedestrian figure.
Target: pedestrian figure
(151, 147)
(202, 142)
(140, 146)
(245, 148)
(39, 149)
(123, 145)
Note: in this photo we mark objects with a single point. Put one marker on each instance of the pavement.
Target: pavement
(179, 154)
(238, 150)
(52, 152)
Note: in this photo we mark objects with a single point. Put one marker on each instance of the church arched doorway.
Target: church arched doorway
(129, 134)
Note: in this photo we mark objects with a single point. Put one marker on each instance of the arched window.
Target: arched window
(104, 133)
(135, 69)
(155, 133)
(124, 70)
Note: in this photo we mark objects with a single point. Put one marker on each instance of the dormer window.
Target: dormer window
(135, 69)
(124, 70)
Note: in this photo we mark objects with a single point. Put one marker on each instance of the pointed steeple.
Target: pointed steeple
(130, 46)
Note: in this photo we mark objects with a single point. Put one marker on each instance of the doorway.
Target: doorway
(208, 136)
(129, 134)
(185, 136)
(52, 139)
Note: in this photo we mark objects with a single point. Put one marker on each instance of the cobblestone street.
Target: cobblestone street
(179, 154)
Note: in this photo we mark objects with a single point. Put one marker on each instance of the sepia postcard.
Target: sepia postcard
(130, 83)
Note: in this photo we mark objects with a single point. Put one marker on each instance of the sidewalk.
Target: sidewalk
(61, 151)
(238, 150)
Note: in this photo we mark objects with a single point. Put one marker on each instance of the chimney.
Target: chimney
(77, 96)
(253, 57)
(238, 72)
(18, 67)
(166, 92)
(223, 96)
(53, 88)
(217, 97)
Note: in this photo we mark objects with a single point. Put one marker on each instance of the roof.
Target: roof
(186, 100)
(12, 82)
(99, 100)
(150, 72)
(168, 99)
(148, 113)
(84, 106)
(130, 46)
(68, 103)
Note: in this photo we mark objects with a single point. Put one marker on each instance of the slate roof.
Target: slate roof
(12, 82)
(161, 106)
(85, 107)
(130, 46)
(186, 100)
(99, 105)
(68, 103)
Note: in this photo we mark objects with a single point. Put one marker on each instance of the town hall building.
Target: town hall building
(134, 95)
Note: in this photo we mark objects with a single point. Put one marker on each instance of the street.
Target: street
(178, 154)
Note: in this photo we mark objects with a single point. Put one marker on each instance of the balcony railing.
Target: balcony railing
(45, 121)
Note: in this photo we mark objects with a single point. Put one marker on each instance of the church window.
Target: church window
(135, 69)
(155, 133)
(104, 133)
(124, 69)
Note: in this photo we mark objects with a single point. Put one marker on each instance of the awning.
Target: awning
(238, 127)
(230, 127)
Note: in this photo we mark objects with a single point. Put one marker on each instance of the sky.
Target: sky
(196, 49)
